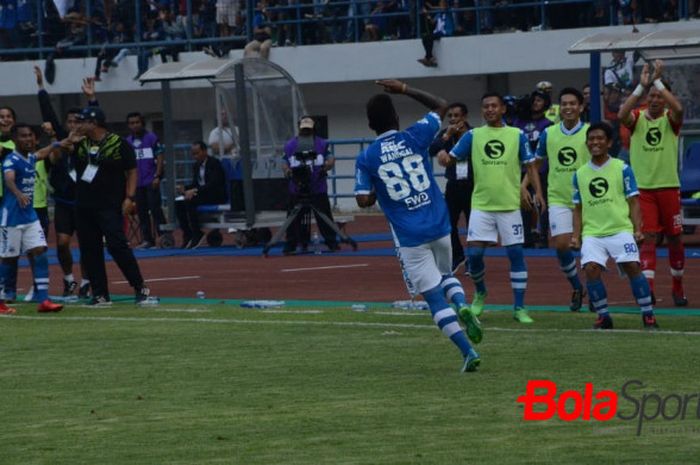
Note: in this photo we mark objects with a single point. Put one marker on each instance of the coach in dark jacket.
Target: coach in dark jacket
(208, 187)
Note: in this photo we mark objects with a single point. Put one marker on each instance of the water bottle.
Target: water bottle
(316, 243)
(200, 295)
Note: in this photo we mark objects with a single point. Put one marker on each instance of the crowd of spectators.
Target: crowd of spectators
(289, 22)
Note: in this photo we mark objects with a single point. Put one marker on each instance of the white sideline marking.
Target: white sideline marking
(357, 265)
(183, 310)
(153, 280)
(357, 324)
(292, 312)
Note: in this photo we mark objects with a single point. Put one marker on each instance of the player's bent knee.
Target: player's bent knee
(593, 271)
(631, 269)
(36, 251)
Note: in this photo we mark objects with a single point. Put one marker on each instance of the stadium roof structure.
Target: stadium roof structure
(259, 97)
(662, 44)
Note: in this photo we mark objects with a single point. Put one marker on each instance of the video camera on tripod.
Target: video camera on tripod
(303, 173)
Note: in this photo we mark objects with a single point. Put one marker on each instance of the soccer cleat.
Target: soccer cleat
(520, 315)
(84, 291)
(477, 307)
(69, 288)
(48, 307)
(471, 361)
(100, 301)
(5, 310)
(679, 300)
(143, 297)
(603, 322)
(577, 300)
(650, 321)
(472, 324)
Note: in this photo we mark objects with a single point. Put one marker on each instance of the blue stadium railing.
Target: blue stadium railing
(346, 17)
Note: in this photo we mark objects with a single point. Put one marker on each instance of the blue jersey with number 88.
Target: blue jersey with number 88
(397, 167)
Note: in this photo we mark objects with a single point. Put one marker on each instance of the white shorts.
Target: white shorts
(426, 264)
(488, 226)
(561, 220)
(621, 247)
(16, 240)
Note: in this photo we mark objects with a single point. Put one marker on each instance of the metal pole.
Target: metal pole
(40, 26)
(242, 107)
(88, 13)
(596, 94)
(189, 25)
(137, 20)
(169, 150)
(250, 6)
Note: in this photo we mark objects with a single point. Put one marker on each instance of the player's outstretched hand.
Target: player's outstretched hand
(526, 201)
(393, 86)
(444, 158)
(88, 88)
(575, 242)
(639, 237)
(645, 77)
(658, 70)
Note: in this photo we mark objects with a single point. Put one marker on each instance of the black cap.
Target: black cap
(92, 114)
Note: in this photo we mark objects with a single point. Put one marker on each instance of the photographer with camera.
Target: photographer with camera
(306, 165)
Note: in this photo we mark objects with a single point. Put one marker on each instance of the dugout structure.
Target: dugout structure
(682, 47)
(261, 100)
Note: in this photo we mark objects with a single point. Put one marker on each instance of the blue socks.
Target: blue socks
(641, 291)
(518, 274)
(599, 297)
(477, 268)
(453, 290)
(4, 273)
(567, 264)
(41, 277)
(446, 319)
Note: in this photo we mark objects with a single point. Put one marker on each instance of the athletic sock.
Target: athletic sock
(69, 278)
(446, 319)
(642, 293)
(11, 279)
(599, 297)
(518, 274)
(41, 277)
(477, 269)
(648, 257)
(567, 264)
(676, 258)
(84, 281)
(4, 272)
(454, 292)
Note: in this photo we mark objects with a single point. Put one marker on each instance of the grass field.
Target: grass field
(214, 384)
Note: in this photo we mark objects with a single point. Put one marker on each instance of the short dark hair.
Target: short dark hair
(381, 113)
(134, 114)
(460, 105)
(602, 126)
(18, 126)
(572, 91)
(11, 110)
(493, 94)
(200, 144)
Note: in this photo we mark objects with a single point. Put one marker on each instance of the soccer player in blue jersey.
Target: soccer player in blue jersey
(20, 229)
(395, 170)
(496, 152)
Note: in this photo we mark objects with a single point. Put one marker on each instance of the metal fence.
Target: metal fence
(34, 28)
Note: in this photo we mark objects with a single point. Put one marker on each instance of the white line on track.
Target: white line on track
(153, 280)
(334, 267)
(350, 324)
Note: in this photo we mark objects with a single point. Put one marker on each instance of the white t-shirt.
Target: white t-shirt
(225, 137)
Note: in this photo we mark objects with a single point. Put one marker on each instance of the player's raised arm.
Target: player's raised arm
(625, 113)
(673, 103)
(434, 103)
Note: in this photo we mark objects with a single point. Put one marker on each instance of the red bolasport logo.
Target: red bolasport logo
(542, 402)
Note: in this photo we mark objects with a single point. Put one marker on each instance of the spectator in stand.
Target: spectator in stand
(376, 25)
(110, 57)
(552, 111)
(149, 165)
(620, 71)
(309, 152)
(262, 34)
(208, 187)
(163, 28)
(226, 12)
(442, 25)
(460, 179)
